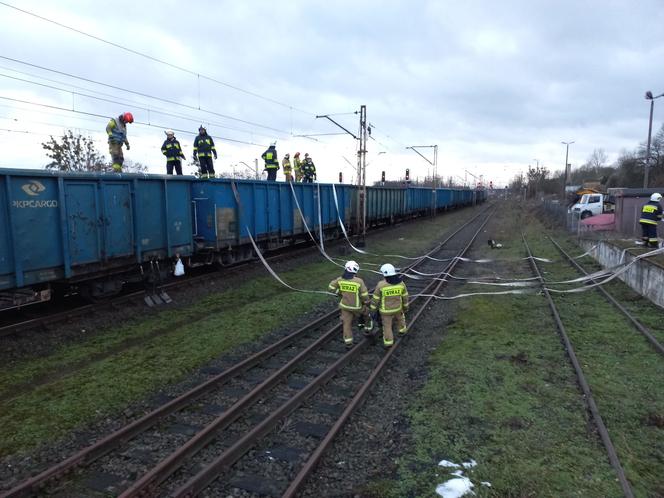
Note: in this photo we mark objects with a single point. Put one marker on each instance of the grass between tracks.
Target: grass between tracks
(501, 391)
(132, 361)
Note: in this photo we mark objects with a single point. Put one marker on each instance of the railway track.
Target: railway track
(583, 382)
(631, 318)
(261, 424)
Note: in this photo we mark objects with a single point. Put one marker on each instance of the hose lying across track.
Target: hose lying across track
(112, 441)
(638, 325)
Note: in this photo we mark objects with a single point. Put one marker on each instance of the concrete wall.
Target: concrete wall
(645, 277)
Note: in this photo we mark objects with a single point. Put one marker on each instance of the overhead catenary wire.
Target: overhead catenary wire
(133, 104)
(148, 108)
(155, 59)
(146, 95)
(50, 106)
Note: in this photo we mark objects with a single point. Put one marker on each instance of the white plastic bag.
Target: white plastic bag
(179, 268)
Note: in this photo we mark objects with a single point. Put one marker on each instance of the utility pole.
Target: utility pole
(434, 179)
(651, 98)
(361, 226)
(362, 178)
(567, 172)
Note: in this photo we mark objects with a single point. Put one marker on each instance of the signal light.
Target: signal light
(407, 174)
(491, 185)
(341, 177)
(382, 177)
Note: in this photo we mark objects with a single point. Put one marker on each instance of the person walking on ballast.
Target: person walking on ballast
(271, 162)
(390, 299)
(116, 129)
(173, 152)
(651, 214)
(354, 301)
(204, 149)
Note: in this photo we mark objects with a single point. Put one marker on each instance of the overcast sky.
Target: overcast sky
(496, 85)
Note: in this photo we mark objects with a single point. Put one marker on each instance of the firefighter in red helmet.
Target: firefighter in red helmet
(116, 129)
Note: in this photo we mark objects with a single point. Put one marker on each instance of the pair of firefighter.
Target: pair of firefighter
(651, 214)
(389, 299)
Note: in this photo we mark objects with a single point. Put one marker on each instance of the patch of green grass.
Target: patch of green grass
(132, 361)
(625, 374)
(500, 392)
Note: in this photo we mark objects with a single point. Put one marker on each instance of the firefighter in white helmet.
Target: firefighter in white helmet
(354, 301)
(390, 298)
(651, 214)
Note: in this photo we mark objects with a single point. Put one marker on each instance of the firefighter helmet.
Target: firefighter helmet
(656, 197)
(388, 270)
(297, 154)
(169, 133)
(128, 117)
(352, 267)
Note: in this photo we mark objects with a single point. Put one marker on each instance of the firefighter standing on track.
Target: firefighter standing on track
(116, 129)
(204, 149)
(308, 169)
(173, 152)
(390, 298)
(288, 170)
(271, 162)
(354, 301)
(297, 166)
(651, 214)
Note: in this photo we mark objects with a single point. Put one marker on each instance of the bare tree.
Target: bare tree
(74, 153)
(597, 159)
(130, 166)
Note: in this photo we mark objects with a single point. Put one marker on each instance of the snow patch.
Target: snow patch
(455, 488)
(447, 463)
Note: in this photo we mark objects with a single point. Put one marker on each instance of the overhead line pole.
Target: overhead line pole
(434, 180)
(361, 172)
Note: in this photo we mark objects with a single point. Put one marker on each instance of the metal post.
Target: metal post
(645, 173)
(567, 172)
(362, 172)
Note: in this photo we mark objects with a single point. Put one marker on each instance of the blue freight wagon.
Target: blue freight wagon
(87, 229)
(224, 209)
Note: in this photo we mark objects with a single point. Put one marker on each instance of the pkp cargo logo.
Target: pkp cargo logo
(33, 188)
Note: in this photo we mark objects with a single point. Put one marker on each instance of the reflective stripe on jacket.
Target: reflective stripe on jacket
(270, 158)
(116, 131)
(353, 292)
(204, 145)
(651, 213)
(390, 299)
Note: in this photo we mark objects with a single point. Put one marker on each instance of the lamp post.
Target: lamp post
(567, 172)
(649, 97)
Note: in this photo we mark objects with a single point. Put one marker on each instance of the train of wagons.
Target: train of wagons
(91, 233)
